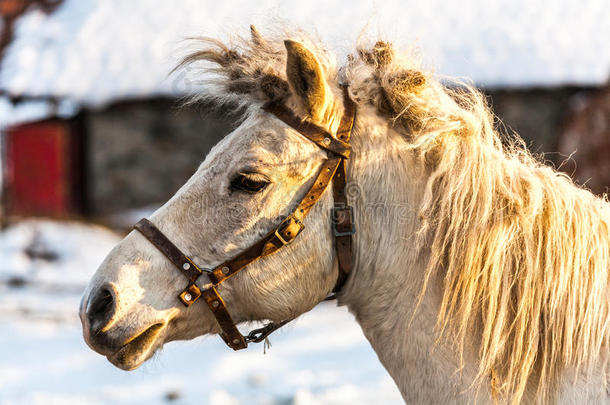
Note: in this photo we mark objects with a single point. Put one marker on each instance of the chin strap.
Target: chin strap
(333, 170)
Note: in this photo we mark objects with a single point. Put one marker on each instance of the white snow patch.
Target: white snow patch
(46, 264)
(77, 248)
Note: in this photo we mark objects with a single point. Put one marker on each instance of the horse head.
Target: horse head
(244, 189)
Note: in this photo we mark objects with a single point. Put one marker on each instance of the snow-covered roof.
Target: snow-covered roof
(95, 51)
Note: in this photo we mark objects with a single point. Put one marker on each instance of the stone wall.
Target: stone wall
(141, 152)
(586, 139)
(537, 115)
(568, 128)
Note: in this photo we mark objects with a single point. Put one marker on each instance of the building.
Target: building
(99, 70)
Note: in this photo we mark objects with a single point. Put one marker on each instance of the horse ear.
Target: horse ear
(257, 38)
(306, 79)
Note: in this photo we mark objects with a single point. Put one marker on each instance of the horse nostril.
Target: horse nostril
(101, 309)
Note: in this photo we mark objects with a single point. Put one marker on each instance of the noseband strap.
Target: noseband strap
(333, 170)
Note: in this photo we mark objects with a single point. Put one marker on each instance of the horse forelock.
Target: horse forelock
(523, 251)
(248, 70)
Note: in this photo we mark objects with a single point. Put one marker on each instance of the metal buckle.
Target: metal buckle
(335, 221)
(190, 294)
(287, 239)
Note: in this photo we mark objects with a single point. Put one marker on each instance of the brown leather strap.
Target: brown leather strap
(309, 130)
(343, 213)
(179, 259)
(230, 334)
(343, 228)
(348, 118)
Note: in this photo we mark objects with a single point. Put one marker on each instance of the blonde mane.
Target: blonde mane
(523, 252)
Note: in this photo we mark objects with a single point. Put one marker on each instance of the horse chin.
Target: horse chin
(138, 349)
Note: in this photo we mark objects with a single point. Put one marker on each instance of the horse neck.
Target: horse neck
(384, 292)
(388, 277)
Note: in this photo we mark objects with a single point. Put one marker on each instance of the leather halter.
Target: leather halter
(333, 170)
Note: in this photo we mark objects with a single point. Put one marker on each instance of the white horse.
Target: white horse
(479, 276)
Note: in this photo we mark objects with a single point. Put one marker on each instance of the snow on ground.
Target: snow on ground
(322, 358)
(44, 266)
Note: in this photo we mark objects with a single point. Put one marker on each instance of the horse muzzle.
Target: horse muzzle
(124, 347)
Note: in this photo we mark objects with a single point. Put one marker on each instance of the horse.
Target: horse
(478, 273)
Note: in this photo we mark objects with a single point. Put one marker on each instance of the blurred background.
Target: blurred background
(93, 138)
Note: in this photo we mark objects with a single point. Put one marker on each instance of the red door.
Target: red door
(40, 161)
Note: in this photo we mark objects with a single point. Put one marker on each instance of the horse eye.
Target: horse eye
(250, 183)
